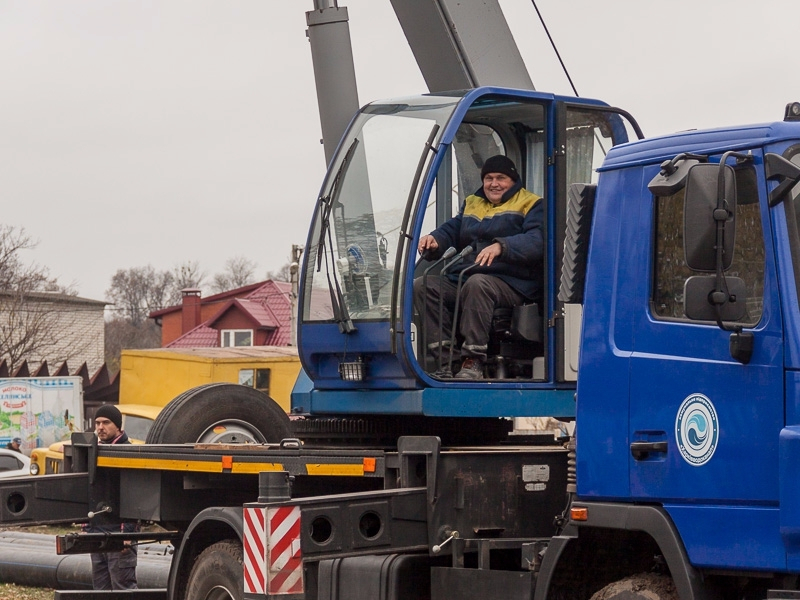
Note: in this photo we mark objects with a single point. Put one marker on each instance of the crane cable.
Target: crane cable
(555, 49)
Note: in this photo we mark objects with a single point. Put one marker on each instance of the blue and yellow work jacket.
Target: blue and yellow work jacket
(516, 224)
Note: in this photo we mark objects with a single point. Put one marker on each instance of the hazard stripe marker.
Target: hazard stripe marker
(255, 556)
(284, 559)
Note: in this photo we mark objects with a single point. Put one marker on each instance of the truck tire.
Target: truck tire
(644, 586)
(220, 412)
(217, 573)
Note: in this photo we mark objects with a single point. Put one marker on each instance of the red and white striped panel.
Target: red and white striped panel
(255, 550)
(285, 562)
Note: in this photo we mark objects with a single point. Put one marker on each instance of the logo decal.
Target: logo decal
(697, 430)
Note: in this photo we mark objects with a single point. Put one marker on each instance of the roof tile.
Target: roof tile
(199, 337)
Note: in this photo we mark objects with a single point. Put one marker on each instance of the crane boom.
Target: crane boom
(457, 45)
(460, 45)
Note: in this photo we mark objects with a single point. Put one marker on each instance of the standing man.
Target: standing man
(502, 222)
(112, 570)
(15, 445)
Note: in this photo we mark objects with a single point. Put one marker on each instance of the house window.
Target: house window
(236, 337)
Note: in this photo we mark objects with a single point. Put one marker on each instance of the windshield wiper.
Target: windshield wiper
(325, 244)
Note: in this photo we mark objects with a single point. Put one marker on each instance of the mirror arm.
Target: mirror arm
(668, 167)
(741, 343)
(722, 213)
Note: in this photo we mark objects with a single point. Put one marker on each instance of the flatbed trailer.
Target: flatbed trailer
(410, 504)
(146, 473)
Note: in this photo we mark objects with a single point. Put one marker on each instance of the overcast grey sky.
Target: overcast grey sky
(137, 132)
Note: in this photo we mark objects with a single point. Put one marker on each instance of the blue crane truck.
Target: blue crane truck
(666, 343)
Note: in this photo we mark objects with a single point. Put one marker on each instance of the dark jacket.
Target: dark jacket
(110, 524)
(516, 224)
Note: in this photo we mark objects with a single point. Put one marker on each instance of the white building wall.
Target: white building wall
(82, 330)
(75, 331)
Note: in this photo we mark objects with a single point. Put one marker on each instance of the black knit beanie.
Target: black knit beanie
(500, 164)
(110, 412)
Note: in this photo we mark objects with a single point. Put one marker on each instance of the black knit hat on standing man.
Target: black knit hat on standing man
(500, 164)
(110, 412)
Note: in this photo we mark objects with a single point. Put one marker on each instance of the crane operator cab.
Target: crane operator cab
(405, 167)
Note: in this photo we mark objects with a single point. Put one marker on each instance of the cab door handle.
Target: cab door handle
(641, 450)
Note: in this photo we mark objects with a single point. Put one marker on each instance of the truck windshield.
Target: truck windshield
(356, 229)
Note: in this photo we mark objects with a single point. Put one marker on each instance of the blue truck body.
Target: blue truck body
(671, 420)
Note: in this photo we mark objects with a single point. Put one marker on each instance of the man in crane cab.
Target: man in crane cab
(502, 224)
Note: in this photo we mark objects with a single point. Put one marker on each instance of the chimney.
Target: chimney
(190, 309)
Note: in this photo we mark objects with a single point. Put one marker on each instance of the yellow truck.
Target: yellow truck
(154, 377)
(219, 396)
(215, 392)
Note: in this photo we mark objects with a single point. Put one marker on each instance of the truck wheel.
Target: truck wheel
(220, 412)
(217, 573)
(644, 586)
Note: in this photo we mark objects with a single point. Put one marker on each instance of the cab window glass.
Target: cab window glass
(590, 134)
(492, 126)
(459, 174)
(670, 270)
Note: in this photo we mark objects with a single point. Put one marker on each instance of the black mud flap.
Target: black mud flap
(480, 584)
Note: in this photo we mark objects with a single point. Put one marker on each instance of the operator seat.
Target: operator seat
(516, 338)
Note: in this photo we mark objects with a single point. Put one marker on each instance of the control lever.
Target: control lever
(438, 547)
(105, 508)
(447, 254)
(442, 273)
(455, 310)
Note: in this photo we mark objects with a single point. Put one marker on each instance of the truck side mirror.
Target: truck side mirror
(698, 297)
(710, 198)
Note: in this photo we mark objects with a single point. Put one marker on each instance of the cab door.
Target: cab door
(703, 429)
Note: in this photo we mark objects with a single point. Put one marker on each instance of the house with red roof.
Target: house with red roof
(259, 314)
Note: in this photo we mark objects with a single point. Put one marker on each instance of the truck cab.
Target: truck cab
(403, 168)
(688, 389)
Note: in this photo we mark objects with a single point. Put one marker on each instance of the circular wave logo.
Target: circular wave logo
(697, 430)
(357, 260)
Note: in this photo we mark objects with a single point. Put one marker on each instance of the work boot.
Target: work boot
(472, 368)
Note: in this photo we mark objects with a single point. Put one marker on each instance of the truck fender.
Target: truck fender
(209, 526)
(652, 520)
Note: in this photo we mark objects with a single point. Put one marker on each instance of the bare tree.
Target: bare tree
(14, 274)
(138, 291)
(186, 275)
(238, 273)
(32, 312)
(120, 334)
(282, 274)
